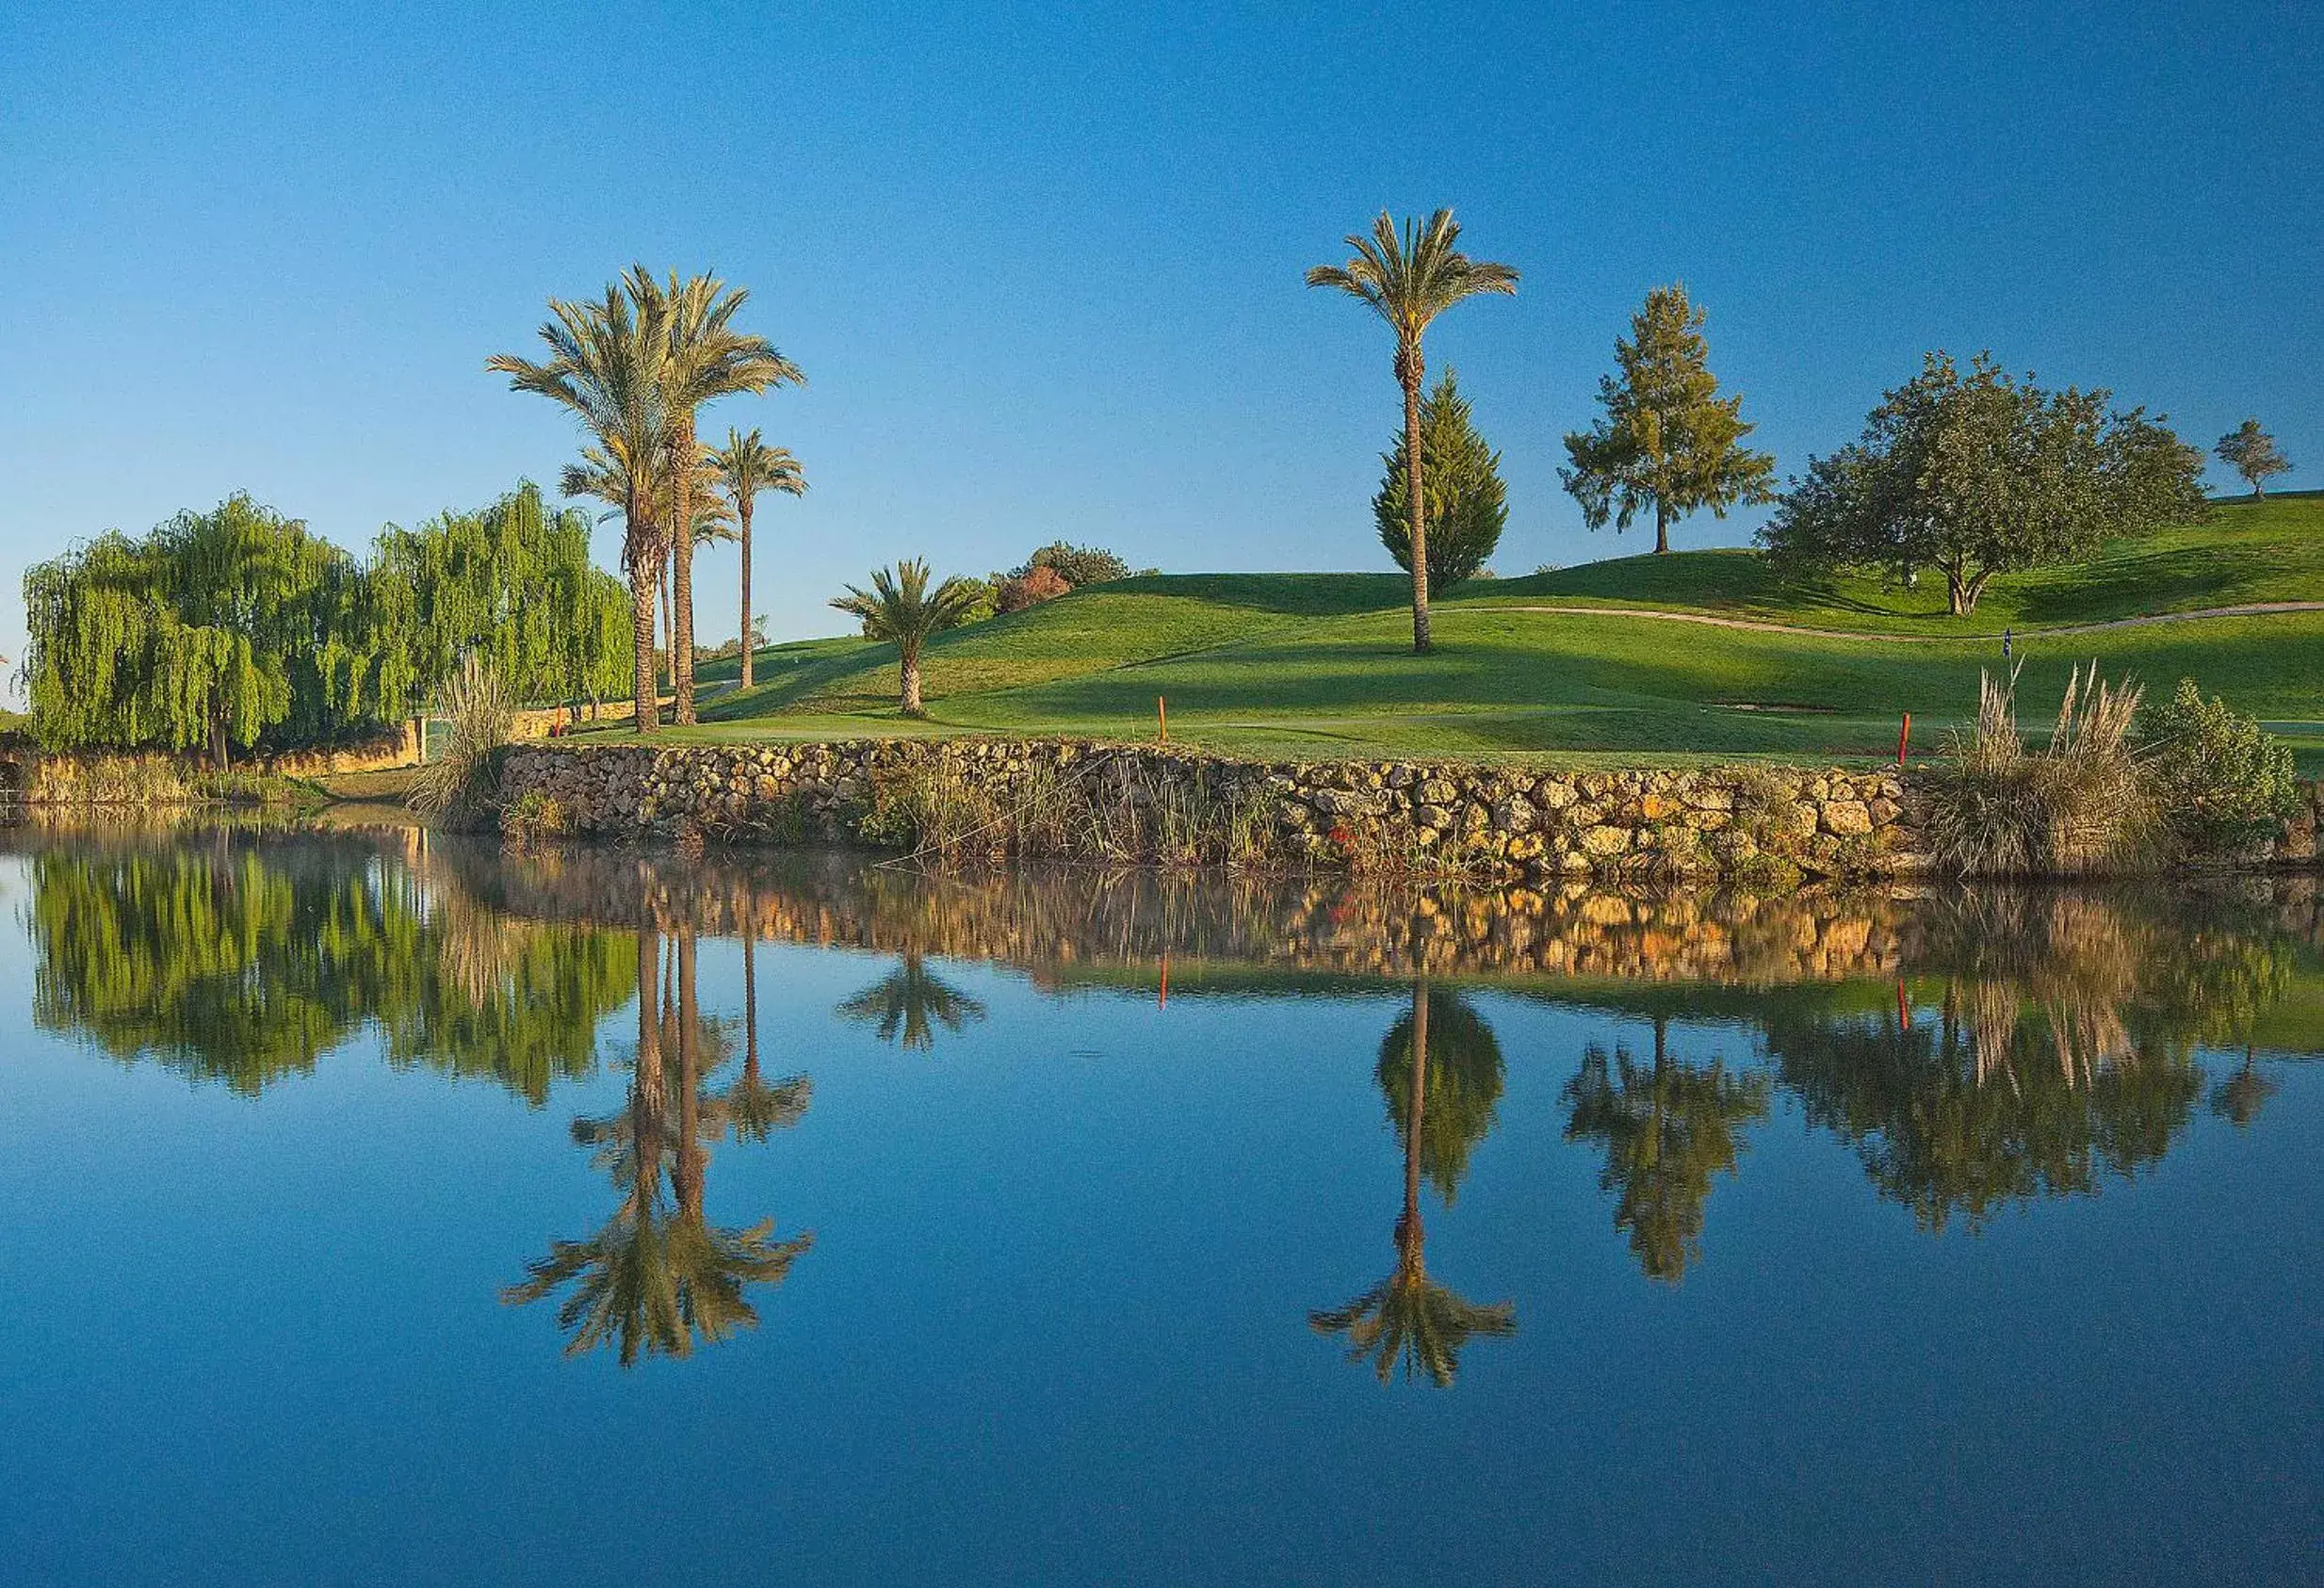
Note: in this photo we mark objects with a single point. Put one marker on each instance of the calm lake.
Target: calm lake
(390, 1209)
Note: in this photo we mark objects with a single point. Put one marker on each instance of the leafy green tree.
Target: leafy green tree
(2252, 453)
(216, 629)
(747, 466)
(705, 357)
(605, 367)
(512, 584)
(1468, 507)
(1079, 566)
(1669, 441)
(1407, 1318)
(903, 611)
(1975, 474)
(907, 1004)
(1668, 1130)
(1409, 279)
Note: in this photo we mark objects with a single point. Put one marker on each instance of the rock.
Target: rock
(1513, 815)
(1604, 842)
(1846, 818)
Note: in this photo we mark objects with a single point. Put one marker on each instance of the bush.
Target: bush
(2225, 784)
(1029, 587)
(461, 787)
(2084, 803)
(1078, 565)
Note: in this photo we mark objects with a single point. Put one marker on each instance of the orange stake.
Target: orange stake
(1162, 715)
(1164, 1001)
(1903, 737)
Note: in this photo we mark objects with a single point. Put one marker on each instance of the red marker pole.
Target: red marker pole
(1162, 715)
(1904, 738)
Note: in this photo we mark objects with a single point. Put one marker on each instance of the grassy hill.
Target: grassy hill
(1317, 664)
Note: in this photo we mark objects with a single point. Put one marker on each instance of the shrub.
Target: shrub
(1078, 565)
(1029, 587)
(2083, 803)
(2225, 784)
(459, 788)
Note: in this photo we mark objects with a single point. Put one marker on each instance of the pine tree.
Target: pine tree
(1668, 440)
(2251, 453)
(1466, 506)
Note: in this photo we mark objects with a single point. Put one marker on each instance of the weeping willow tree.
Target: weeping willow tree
(213, 630)
(512, 583)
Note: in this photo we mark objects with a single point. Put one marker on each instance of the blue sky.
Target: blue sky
(1042, 265)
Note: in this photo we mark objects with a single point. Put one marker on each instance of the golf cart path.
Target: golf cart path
(1760, 625)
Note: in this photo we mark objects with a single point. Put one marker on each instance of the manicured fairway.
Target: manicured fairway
(1319, 664)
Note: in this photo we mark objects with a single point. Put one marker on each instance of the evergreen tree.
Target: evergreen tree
(2251, 452)
(1466, 506)
(1669, 441)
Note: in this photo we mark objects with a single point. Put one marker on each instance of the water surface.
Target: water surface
(394, 1210)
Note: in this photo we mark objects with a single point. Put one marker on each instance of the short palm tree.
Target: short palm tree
(1409, 279)
(903, 610)
(747, 465)
(705, 357)
(908, 1003)
(606, 366)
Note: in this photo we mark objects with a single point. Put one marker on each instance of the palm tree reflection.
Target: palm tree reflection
(1667, 1130)
(1409, 1318)
(909, 1002)
(659, 1275)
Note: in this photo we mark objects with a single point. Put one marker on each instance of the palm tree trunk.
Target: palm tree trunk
(692, 1160)
(682, 573)
(1410, 372)
(648, 1076)
(750, 992)
(642, 583)
(910, 666)
(669, 644)
(1409, 1234)
(742, 514)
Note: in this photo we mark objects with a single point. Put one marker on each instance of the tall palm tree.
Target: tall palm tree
(1408, 1317)
(747, 465)
(606, 366)
(704, 359)
(757, 1108)
(1409, 279)
(902, 610)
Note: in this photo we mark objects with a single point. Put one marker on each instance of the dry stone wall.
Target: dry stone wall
(1491, 821)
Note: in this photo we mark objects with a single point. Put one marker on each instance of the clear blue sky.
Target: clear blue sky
(1043, 267)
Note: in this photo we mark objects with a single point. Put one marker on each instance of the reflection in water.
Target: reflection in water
(659, 1274)
(1667, 1130)
(909, 1002)
(1976, 1050)
(1441, 1071)
(243, 963)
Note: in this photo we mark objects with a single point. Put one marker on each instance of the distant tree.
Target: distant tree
(1029, 587)
(1468, 506)
(901, 610)
(747, 466)
(1409, 279)
(1975, 474)
(1669, 441)
(2251, 452)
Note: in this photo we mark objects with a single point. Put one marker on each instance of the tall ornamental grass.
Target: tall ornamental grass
(461, 787)
(2084, 802)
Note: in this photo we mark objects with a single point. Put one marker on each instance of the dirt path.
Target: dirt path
(2259, 608)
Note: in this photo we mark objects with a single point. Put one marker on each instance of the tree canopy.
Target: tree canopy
(2252, 453)
(1668, 442)
(1973, 473)
(1466, 506)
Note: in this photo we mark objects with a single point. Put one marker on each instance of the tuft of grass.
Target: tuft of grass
(2083, 803)
(460, 789)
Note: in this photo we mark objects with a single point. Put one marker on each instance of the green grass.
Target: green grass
(1319, 664)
